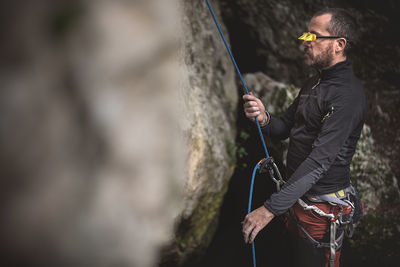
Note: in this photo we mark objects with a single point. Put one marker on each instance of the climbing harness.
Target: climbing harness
(340, 224)
(267, 165)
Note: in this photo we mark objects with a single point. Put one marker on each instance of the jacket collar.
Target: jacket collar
(335, 70)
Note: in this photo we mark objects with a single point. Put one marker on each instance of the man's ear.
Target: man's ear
(340, 45)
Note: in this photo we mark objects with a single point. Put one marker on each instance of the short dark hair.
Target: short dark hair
(342, 24)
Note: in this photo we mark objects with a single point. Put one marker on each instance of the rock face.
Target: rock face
(91, 162)
(210, 102)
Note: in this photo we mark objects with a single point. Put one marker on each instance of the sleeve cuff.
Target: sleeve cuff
(267, 120)
(266, 205)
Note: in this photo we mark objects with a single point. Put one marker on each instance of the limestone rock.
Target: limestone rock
(209, 101)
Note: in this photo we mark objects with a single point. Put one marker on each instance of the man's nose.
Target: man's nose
(307, 43)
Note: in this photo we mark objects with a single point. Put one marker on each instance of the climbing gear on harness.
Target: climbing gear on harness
(340, 224)
(333, 198)
(312, 37)
(335, 237)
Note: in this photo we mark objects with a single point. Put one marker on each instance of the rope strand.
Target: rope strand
(238, 72)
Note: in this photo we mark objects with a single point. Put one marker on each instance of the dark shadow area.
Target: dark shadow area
(243, 44)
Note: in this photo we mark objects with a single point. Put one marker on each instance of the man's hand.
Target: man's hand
(253, 107)
(254, 222)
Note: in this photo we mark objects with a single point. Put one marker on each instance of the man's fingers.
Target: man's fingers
(249, 98)
(247, 229)
(247, 234)
(252, 115)
(254, 234)
(254, 222)
(250, 104)
(252, 109)
(250, 233)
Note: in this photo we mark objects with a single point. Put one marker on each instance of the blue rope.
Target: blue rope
(257, 122)
(238, 71)
(253, 248)
(251, 187)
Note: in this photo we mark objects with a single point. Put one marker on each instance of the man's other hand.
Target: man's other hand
(254, 222)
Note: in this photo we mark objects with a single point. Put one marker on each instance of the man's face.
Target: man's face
(319, 53)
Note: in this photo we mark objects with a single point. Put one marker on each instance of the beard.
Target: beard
(321, 61)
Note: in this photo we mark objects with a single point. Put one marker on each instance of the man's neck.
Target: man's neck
(334, 62)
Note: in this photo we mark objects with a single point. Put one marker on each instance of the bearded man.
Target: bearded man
(324, 124)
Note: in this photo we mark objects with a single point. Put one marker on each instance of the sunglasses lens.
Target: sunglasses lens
(308, 36)
(303, 36)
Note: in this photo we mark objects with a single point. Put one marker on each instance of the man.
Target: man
(324, 124)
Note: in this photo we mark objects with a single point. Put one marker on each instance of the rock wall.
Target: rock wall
(210, 102)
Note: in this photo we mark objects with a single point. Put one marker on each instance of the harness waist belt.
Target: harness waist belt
(335, 197)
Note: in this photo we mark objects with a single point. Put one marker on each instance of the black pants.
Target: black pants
(307, 255)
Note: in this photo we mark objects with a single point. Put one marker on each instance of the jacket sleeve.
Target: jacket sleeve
(338, 124)
(280, 128)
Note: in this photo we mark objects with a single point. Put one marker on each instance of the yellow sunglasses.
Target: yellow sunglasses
(308, 36)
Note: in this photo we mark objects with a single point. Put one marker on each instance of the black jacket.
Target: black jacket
(324, 124)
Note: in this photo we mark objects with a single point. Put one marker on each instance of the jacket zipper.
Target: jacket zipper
(319, 80)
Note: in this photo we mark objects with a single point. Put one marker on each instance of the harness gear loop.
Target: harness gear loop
(333, 244)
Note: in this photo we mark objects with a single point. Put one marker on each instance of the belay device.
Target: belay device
(268, 165)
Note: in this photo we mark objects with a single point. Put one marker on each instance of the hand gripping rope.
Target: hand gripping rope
(265, 164)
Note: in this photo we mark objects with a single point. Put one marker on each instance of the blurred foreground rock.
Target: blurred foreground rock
(91, 157)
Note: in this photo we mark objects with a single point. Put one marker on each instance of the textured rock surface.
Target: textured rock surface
(210, 102)
(90, 159)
